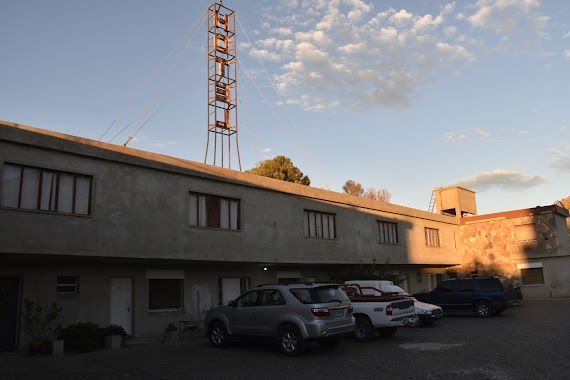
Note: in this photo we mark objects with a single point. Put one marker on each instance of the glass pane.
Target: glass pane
(224, 213)
(202, 211)
(312, 224)
(10, 185)
(306, 223)
(65, 193)
(326, 226)
(331, 227)
(319, 227)
(82, 191)
(193, 211)
(234, 213)
(532, 276)
(49, 186)
(30, 189)
(164, 294)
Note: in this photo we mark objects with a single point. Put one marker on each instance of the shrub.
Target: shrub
(116, 330)
(38, 319)
(171, 327)
(79, 336)
(88, 336)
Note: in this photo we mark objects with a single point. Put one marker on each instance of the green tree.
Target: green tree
(282, 168)
(355, 188)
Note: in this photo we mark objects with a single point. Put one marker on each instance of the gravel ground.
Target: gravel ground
(530, 341)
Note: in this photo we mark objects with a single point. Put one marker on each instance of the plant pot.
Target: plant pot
(170, 336)
(35, 347)
(112, 342)
(57, 348)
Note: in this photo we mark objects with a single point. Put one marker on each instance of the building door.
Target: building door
(10, 293)
(231, 289)
(122, 303)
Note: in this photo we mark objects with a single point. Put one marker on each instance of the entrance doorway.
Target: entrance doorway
(10, 301)
(122, 303)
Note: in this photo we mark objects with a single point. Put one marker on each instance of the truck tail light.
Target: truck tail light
(349, 311)
(389, 310)
(323, 312)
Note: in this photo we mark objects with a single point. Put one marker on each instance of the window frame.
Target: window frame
(530, 267)
(165, 309)
(314, 225)
(387, 231)
(61, 199)
(432, 237)
(208, 211)
(59, 285)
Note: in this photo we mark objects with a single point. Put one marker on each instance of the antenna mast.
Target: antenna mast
(222, 86)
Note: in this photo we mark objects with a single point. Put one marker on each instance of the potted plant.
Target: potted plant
(171, 333)
(115, 336)
(38, 320)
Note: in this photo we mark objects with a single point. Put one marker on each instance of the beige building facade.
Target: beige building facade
(120, 236)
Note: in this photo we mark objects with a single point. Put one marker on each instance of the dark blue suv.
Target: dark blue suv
(483, 295)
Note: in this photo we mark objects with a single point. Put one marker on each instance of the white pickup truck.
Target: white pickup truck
(383, 313)
(427, 313)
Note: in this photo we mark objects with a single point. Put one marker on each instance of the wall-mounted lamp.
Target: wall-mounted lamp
(264, 268)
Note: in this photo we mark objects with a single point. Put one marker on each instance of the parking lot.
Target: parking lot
(530, 341)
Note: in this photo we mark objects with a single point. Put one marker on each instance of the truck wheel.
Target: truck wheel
(386, 332)
(291, 341)
(217, 335)
(363, 330)
(483, 309)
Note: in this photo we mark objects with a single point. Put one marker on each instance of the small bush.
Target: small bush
(78, 335)
(171, 327)
(116, 330)
(88, 336)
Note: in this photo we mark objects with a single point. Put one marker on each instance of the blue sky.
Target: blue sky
(403, 95)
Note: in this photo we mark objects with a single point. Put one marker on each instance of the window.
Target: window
(248, 299)
(465, 286)
(213, 211)
(525, 232)
(432, 237)
(419, 278)
(165, 294)
(67, 285)
(29, 188)
(531, 273)
(387, 233)
(446, 286)
(491, 284)
(319, 225)
(272, 297)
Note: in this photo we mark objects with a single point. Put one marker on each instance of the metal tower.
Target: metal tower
(222, 86)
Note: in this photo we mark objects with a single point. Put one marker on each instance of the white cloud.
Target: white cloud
(502, 180)
(562, 161)
(344, 52)
(340, 52)
(163, 144)
(566, 53)
(508, 16)
(264, 55)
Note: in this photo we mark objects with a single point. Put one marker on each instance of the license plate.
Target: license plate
(339, 313)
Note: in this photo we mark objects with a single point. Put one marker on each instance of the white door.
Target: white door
(230, 289)
(122, 303)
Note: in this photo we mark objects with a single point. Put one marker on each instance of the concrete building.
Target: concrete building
(121, 236)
